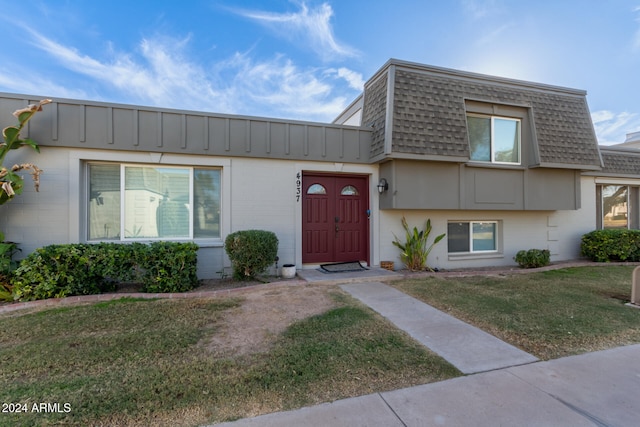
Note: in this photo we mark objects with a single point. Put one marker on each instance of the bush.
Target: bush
(251, 252)
(533, 258)
(170, 267)
(7, 250)
(58, 271)
(611, 245)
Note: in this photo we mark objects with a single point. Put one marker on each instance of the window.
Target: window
(617, 206)
(128, 202)
(494, 139)
(316, 189)
(472, 236)
(349, 190)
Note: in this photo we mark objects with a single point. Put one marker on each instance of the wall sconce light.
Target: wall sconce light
(383, 185)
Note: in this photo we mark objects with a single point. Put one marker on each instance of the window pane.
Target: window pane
(506, 140)
(206, 202)
(480, 138)
(316, 189)
(614, 206)
(349, 190)
(156, 202)
(104, 202)
(484, 236)
(458, 236)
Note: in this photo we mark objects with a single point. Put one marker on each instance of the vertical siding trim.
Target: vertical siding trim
(324, 140)
(268, 147)
(306, 140)
(109, 125)
(206, 133)
(247, 139)
(287, 139)
(159, 133)
(54, 121)
(462, 184)
(83, 123)
(227, 134)
(136, 125)
(183, 132)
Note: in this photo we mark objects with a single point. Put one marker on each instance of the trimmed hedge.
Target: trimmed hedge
(58, 271)
(251, 252)
(611, 245)
(533, 258)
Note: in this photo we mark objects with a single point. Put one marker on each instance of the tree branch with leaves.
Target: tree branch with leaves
(11, 183)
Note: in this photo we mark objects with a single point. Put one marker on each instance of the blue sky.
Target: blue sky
(307, 60)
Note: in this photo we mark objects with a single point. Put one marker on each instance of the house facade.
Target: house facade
(498, 165)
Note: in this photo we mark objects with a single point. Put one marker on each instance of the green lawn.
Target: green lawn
(143, 362)
(549, 314)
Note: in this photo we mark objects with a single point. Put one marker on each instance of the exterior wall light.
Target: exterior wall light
(383, 185)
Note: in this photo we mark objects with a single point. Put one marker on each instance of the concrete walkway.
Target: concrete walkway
(466, 347)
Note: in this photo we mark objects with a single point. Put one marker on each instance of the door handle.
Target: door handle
(337, 228)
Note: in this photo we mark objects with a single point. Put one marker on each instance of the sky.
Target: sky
(308, 60)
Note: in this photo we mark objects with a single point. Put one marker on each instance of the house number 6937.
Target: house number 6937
(298, 186)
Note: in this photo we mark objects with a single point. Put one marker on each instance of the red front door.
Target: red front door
(335, 224)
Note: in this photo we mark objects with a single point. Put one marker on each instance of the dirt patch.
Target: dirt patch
(264, 314)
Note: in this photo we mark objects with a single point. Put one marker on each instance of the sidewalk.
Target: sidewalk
(593, 389)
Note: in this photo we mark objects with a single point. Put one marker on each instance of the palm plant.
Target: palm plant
(414, 250)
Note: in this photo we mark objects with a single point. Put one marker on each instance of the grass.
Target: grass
(142, 362)
(548, 314)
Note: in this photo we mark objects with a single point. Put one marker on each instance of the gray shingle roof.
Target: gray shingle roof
(620, 162)
(374, 115)
(429, 116)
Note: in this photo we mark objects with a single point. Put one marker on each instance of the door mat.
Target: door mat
(341, 267)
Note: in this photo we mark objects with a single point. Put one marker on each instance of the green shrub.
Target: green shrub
(6, 289)
(170, 267)
(251, 252)
(533, 258)
(58, 271)
(7, 250)
(611, 245)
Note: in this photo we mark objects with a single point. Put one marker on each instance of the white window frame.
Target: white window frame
(123, 166)
(491, 138)
(496, 237)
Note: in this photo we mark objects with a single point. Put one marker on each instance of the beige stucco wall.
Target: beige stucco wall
(261, 194)
(558, 231)
(256, 194)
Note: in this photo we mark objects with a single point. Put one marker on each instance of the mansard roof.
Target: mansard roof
(417, 111)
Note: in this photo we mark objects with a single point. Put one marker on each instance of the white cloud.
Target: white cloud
(353, 78)
(311, 26)
(279, 84)
(30, 83)
(162, 74)
(612, 127)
